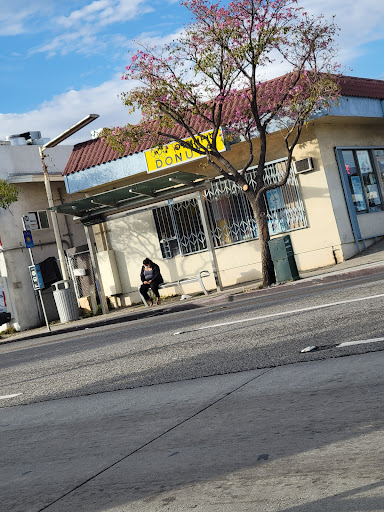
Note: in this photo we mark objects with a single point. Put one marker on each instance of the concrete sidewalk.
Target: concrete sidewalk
(369, 262)
(297, 438)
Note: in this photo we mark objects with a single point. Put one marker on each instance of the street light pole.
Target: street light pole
(55, 224)
(51, 204)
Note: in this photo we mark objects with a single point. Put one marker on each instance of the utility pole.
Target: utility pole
(55, 224)
(50, 144)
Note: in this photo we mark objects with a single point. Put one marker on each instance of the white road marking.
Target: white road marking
(293, 311)
(360, 342)
(9, 396)
(312, 348)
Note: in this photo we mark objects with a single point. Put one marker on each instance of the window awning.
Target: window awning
(94, 209)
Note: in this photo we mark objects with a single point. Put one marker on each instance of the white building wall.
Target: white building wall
(22, 166)
(26, 159)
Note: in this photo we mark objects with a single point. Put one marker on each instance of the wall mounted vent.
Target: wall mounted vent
(304, 165)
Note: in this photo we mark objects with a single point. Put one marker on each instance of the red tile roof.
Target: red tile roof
(95, 152)
(362, 87)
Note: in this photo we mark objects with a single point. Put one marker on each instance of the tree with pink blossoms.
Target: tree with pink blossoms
(212, 78)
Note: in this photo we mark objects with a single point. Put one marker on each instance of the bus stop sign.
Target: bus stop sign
(28, 239)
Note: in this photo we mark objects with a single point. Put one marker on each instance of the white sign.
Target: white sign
(31, 221)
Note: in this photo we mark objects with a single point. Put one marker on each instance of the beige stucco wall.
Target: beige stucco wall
(313, 245)
(239, 263)
(328, 235)
(349, 133)
(134, 238)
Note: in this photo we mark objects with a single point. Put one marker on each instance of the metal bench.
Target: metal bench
(184, 280)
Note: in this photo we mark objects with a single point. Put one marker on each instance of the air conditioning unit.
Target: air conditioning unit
(304, 165)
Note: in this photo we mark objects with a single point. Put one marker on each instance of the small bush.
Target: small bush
(9, 330)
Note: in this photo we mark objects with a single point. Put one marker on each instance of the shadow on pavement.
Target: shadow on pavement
(259, 442)
(339, 503)
(148, 313)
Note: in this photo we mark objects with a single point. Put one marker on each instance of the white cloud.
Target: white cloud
(151, 39)
(18, 17)
(104, 12)
(82, 41)
(360, 22)
(83, 31)
(64, 110)
(89, 12)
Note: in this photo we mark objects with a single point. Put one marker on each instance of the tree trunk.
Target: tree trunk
(260, 211)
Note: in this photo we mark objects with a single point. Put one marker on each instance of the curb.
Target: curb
(344, 275)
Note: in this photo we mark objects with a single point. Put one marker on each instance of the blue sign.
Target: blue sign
(36, 277)
(28, 239)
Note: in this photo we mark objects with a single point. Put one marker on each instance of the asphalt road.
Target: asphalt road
(211, 409)
(253, 331)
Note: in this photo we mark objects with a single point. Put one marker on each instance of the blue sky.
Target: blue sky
(61, 60)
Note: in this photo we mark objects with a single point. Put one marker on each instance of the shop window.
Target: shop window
(39, 219)
(363, 180)
(231, 218)
(230, 214)
(378, 155)
(179, 228)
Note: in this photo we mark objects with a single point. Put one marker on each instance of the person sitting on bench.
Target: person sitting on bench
(151, 278)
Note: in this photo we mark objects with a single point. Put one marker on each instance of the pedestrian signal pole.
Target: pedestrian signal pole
(34, 271)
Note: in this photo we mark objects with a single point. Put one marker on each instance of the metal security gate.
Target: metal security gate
(80, 267)
(230, 214)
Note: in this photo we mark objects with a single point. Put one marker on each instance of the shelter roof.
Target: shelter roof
(94, 209)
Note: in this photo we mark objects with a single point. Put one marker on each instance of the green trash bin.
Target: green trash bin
(283, 259)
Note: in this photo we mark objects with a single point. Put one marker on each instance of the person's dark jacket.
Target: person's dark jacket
(156, 274)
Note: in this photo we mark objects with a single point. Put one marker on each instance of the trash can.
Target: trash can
(65, 301)
(283, 259)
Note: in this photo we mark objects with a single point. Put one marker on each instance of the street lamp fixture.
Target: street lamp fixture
(76, 127)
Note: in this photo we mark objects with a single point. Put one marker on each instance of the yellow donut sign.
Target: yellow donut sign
(176, 154)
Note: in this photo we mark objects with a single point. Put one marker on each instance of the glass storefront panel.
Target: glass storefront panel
(379, 158)
(369, 180)
(363, 179)
(354, 181)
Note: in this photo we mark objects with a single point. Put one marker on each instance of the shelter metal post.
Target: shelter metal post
(91, 245)
(208, 237)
